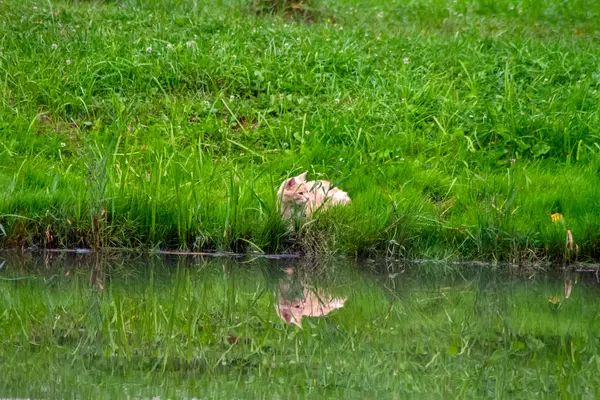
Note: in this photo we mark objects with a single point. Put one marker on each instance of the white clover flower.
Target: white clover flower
(68, 62)
(169, 46)
(307, 132)
(54, 46)
(148, 49)
(406, 61)
(190, 43)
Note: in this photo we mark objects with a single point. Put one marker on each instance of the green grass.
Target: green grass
(457, 126)
(164, 327)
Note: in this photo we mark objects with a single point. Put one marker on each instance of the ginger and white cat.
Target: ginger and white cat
(297, 195)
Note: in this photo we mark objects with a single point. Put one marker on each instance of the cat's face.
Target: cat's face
(294, 191)
(290, 313)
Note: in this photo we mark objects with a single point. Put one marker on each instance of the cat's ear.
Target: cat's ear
(291, 183)
(302, 177)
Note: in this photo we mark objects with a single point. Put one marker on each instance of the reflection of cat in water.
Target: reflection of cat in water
(297, 302)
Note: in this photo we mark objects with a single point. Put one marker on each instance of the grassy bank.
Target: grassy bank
(146, 328)
(457, 127)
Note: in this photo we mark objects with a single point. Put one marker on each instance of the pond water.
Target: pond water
(150, 326)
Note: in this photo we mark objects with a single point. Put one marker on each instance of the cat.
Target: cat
(296, 194)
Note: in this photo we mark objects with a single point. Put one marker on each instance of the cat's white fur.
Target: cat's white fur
(297, 195)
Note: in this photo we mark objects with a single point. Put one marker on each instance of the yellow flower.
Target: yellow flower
(556, 217)
(555, 300)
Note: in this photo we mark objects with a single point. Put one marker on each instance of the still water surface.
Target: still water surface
(129, 326)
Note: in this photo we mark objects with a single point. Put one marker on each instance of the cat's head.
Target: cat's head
(293, 190)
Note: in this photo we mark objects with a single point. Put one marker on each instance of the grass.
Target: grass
(180, 327)
(457, 127)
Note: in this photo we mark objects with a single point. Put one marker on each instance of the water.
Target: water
(132, 326)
